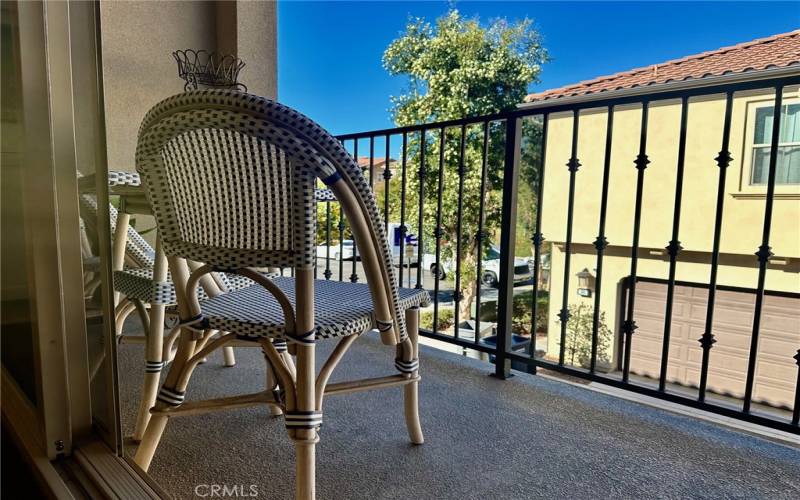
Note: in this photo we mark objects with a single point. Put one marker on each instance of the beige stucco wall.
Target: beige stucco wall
(139, 38)
(139, 70)
(743, 214)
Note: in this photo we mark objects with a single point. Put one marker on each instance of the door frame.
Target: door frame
(61, 75)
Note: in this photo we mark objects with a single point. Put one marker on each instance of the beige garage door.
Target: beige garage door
(776, 370)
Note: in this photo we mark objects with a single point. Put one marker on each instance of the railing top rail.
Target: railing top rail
(766, 83)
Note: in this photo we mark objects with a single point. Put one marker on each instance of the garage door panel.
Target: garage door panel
(774, 373)
(779, 339)
(729, 360)
(776, 348)
(698, 311)
(777, 321)
(730, 337)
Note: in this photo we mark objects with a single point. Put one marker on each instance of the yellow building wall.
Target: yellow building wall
(743, 215)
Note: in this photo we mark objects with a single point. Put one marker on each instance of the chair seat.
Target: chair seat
(138, 284)
(340, 308)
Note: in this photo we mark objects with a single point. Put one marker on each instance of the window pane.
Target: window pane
(760, 166)
(790, 128)
(763, 125)
(789, 165)
(787, 169)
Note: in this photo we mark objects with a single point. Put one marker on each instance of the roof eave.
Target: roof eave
(668, 87)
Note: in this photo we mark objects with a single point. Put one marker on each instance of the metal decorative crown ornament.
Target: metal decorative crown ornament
(204, 69)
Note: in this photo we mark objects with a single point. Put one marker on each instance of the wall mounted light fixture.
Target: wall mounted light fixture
(585, 283)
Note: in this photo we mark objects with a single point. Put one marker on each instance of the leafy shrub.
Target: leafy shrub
(578, 346)
(446, 319)
(522, 310)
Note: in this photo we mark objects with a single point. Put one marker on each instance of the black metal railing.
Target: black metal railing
(503, 134)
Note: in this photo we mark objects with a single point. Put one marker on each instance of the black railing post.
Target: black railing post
(573, 165)
(764, 252)
(420, 229)
(629, 325)
(328, 272)
(674, 246)
(537, 239)
(403, 228)
(387, 178)
(479, 236)
(508, 231)
(457, 295)
(601, 242)
(438, 232)
(723, 159)
(796, 412)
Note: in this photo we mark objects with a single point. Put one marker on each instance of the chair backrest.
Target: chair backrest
(231, 179)
(137, 250)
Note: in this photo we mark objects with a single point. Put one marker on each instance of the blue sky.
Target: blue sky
(329, 53)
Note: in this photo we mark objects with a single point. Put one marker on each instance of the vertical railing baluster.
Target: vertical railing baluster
(372, 162)
(479, 236)
(601, 242)
(457, 295)
(438, 232)
(420, 230)
(629, 325)
(403, 228)
(327, 272)
(674, 246)
(796, 409)
(537, 240)
(387, 177)
(723, 160)
(353, 272)
(341, 225)
(341, 244)
(508, 236)
(764, 252)
(573, 165)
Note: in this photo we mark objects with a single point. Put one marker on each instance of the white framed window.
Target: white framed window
(787, 165)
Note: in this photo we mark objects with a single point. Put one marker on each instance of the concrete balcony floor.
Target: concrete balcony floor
(528, 437)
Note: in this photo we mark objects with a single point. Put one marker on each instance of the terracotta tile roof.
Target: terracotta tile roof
(378, 161)
(777, 51)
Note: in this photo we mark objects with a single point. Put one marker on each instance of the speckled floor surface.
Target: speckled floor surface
(528, 437)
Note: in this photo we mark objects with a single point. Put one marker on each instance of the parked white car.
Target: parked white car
(490, 267)
(394, 236)
(345, 250)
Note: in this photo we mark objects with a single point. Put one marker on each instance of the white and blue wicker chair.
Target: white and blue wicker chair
(230, 177)
(139, 292)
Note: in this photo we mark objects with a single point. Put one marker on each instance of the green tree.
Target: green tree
(459, 69)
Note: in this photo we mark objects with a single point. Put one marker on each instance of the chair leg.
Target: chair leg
(202, 343)
(305, 440)
(121, 313)
(229, 357)
(154, 343)
(411, 391)
(272, 384)
(118, 246)
(289, 362)
(157, 424)
(169, 349)
(306, 469)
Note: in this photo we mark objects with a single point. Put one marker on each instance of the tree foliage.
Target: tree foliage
(455, 69)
